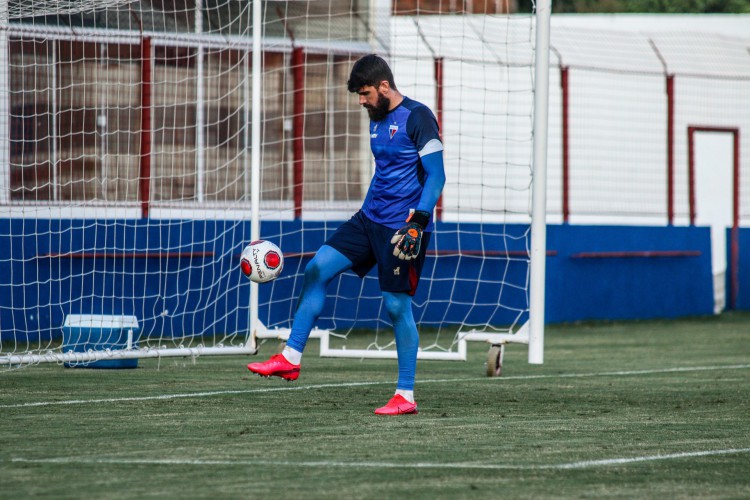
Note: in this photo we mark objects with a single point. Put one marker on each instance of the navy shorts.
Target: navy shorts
(367, 243)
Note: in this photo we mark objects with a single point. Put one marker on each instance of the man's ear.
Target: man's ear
(384, 87)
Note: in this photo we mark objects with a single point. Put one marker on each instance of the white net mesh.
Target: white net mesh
(125, 156)
(20, 9)
(125, 186)
(475, 73)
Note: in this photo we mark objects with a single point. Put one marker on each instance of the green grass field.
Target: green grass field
(630, 410)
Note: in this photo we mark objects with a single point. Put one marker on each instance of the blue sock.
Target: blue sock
(399, 309)
(326, 265)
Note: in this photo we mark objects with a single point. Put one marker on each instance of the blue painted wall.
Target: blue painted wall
(628, 287)
(185, 295)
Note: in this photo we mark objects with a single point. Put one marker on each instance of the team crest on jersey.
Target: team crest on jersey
(392, 130)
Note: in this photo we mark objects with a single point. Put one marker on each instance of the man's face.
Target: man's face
(374, 101)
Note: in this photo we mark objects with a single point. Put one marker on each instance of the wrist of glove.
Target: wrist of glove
(408, 239)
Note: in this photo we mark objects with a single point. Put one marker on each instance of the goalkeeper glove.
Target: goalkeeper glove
(408, 239)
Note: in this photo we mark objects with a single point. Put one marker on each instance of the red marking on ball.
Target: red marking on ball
(272, 260)
(245, 266)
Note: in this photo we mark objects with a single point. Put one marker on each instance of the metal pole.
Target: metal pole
(298, 128)
(565, 144)
(200, 150)
(246, 116)
(734, 278)
(670, 149)
(4, 105)
(255, 158)
(691, 174)
(539, 187)
(331, 120)
(53, 99)
(145, 160)
(438, 63)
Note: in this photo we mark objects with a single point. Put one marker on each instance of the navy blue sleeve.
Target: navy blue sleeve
(422, 128)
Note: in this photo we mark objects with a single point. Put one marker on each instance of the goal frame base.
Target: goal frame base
(521, 336)
(107, 355)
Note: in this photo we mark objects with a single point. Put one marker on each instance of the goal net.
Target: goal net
(146, 143)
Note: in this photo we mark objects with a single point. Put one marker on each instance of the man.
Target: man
(392, 229)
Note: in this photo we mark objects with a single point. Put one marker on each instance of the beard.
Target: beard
(380, 110)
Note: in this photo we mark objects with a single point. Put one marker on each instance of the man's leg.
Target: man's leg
(398, 281)
(399, 309)
(326, 265)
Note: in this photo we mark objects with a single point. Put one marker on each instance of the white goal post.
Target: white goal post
(144, 147)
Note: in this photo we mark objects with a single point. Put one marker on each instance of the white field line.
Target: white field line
(586, 464)
(362, 384)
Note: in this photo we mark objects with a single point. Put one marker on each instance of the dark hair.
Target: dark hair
(369, 70)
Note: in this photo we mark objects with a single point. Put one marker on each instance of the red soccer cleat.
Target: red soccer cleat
(398, 405)
(276, 366)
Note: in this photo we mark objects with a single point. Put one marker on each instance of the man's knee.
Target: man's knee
(312, 272)
(397, 304)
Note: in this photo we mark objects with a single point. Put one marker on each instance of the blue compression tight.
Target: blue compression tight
(326, 265)
(398, 306)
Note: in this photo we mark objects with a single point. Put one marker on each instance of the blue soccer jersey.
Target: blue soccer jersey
(398, 142)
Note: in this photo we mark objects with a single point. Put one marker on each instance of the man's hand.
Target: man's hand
(408, 239)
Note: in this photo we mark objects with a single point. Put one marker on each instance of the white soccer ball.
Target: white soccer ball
(261, 261)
